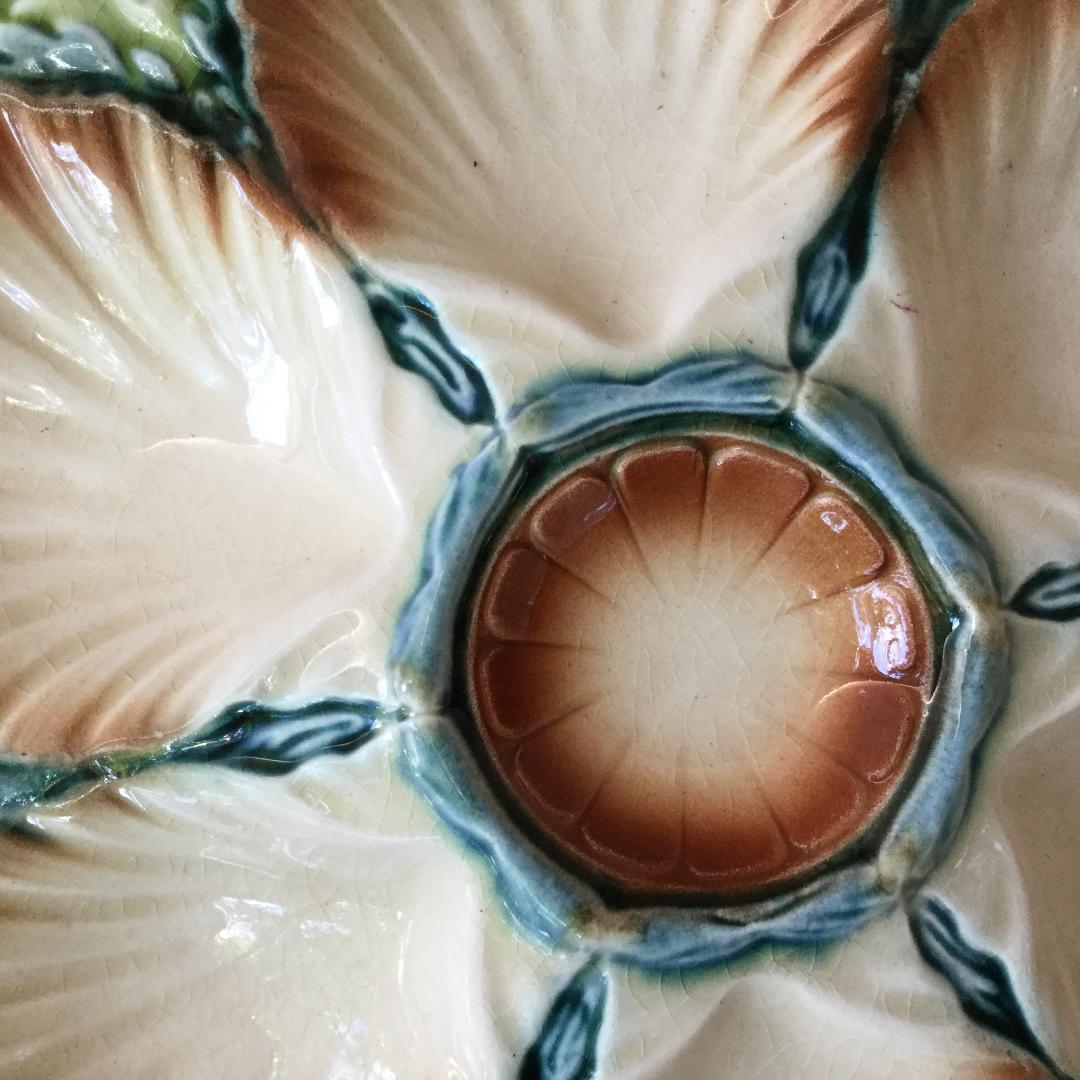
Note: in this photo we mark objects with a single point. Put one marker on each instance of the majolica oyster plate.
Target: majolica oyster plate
(539, 540)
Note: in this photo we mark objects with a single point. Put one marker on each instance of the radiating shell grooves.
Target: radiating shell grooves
(698, 665)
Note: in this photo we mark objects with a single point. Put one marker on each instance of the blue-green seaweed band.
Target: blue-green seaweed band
(973, 672)
(732, 390)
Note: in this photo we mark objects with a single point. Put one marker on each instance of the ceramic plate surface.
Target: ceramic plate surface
(539, 540)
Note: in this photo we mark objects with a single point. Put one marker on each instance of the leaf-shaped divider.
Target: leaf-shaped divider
(183, 57)
(830, 267)
(247, 736)
(1052, 593)
(565, 1049)
(417, 342)
(979, 977)
(262, 739)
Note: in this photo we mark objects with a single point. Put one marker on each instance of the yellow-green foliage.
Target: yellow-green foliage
(128, 24)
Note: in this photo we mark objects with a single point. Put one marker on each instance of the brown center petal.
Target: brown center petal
(698, 665)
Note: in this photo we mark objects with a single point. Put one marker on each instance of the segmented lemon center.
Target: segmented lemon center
(698, 665)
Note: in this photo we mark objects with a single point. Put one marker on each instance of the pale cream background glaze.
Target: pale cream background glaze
(195, 924)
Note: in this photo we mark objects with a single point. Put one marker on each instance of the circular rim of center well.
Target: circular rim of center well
(663, 805)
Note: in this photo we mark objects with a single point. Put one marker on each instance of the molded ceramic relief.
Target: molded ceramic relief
(539, 540)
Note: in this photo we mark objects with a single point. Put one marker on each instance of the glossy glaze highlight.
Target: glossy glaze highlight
(699, 665)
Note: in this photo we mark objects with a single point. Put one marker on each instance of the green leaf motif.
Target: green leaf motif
(134, 27)
(261, 739)
(566, 1046)
(1051, 593)
(184, 58)
(248, 736)
(979, 977)
(417, 342)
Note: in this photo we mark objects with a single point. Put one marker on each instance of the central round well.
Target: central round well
(698, 665)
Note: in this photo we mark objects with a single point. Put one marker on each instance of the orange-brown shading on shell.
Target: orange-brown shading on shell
(301, 48)
(1000, 1069)
(698, 665)
(105, 145)
(825, 64)
(98, 151)
(996, 54)
(843, 64)
(102, 198)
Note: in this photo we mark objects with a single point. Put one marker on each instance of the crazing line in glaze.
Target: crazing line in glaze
(698, 666)
(693, 659)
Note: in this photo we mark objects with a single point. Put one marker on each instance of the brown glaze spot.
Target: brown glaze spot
(517, 586)
(730, 830)
(629, 822)
(838, 726)
(749, 501)
(573, 513)
(582, 745)
(698, 665)
(525, 687)
(816, 801)
(652, 484)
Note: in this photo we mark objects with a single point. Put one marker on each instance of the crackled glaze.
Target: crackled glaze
(236, 438)
(712, 131)
(699, 664)
(178, 352)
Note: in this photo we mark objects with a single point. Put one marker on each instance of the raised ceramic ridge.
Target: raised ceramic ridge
(697, 664)
(830, 426)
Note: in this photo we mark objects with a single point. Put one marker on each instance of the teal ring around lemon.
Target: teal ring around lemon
(559, 425)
